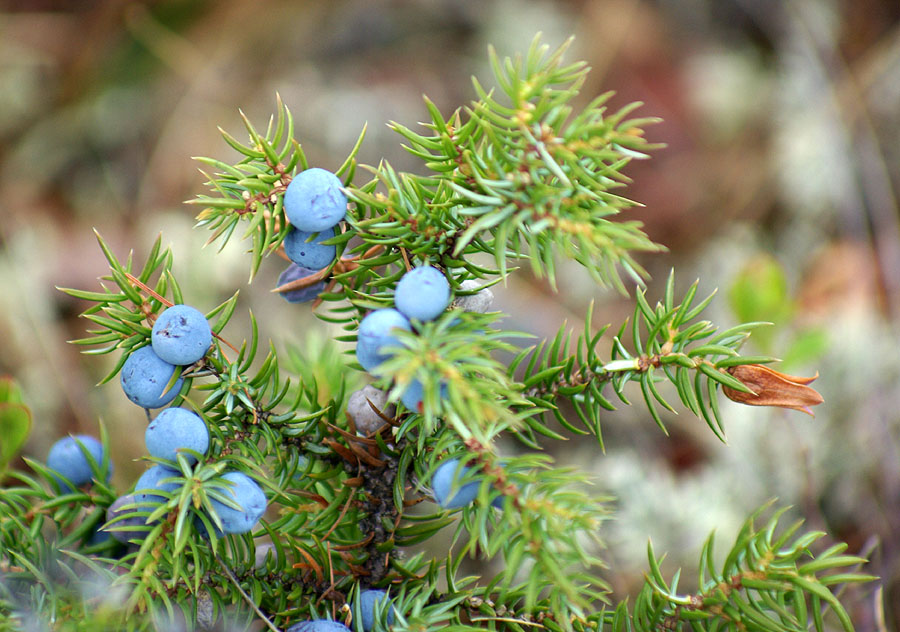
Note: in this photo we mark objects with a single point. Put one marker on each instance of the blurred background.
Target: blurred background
(778, 186)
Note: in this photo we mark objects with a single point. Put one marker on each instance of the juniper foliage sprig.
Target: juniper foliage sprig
(665, 342)
(529, 179)
(252, 190)
(770, 580)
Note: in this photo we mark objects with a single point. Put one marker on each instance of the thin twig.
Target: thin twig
(246, 597)
(331, 574)
(405, 259)
(510, 620)
(340, 517)
(149, 290)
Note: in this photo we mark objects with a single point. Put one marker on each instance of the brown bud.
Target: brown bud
(772, 388)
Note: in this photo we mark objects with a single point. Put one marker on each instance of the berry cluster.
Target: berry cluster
(181, 336)
(422, 294)
(180, 433)
(314, 205)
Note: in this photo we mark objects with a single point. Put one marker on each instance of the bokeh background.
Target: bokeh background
(778, 186)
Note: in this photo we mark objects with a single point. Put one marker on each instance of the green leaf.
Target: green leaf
(807, 347)
(15, 425)
(10, 391)
(760, 293)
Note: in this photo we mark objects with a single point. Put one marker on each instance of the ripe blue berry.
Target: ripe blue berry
(173, 430)
(369, 600)
(151, 480)
(144, 378)
(375, 334)
(422, 293)
(304, 294)
(448, 473)
(181, 335)
(145, 501)
(99, 536)
(203, 531)
(249, 496)
(117, 509)
(414, 396)
(313, 201)
(318, 625)
(309, 254)
(67, 459)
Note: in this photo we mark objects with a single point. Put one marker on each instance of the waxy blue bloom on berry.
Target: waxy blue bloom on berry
(173, 430)
(144, 378)
(413, 397)
(318, 625)
(249, 496)
(369, 600)
(67, 459)
(445, 476)
(313, 201)
(181, 335)
(145, 501)
(422, 293)
(375, 333)
(151, 480)
(308, 253)
(116, 510)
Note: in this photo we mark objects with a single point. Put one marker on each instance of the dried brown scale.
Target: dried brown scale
(377, 481)
(238, 437)
(769, 387)
(341, 266)
(147, 311)
(253, 203)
